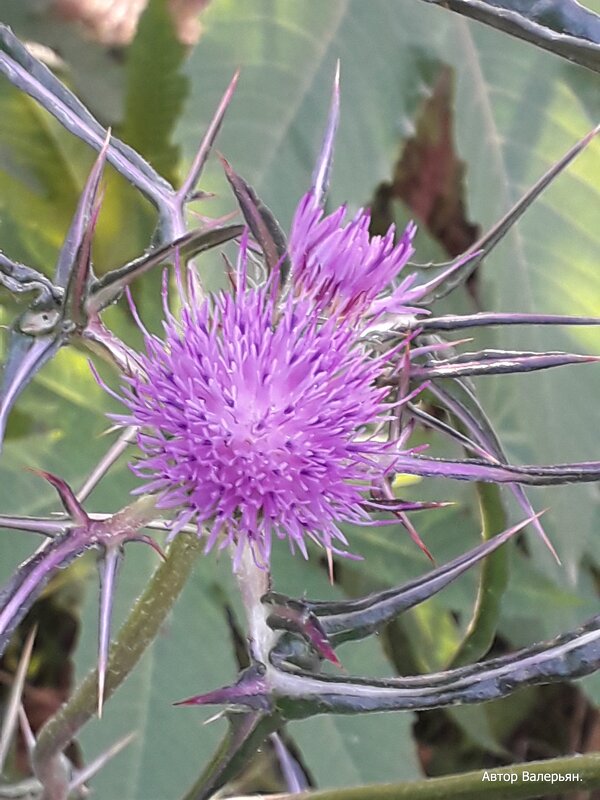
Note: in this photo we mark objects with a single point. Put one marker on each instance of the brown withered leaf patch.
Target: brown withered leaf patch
(429, 177)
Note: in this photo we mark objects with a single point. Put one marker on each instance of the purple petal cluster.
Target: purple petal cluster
(342, 268)
(346, 271)
(254, 419)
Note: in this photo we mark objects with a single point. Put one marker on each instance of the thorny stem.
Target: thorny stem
(138, 632)
(479, 785)
(246, 733)
(492, 582)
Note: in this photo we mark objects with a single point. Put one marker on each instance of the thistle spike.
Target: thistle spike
(187, 190)
(108, 567)
(322, 172)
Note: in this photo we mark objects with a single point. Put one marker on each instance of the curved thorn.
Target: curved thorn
(70, 503)
(149, 541)
(108, 567)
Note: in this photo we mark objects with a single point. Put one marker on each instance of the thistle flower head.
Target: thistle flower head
(253, 418)
(342, 268)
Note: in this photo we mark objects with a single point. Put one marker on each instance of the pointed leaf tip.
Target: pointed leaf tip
(151, 543)
(322, 172)
(69, 272)
(70, 503)
(250, 691)
(260, 220)
(188, 191)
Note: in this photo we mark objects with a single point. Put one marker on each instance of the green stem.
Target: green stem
(525, 781)
(245, 736)
(492, 582)
(254, 582)
(248, 731)
(138, 632)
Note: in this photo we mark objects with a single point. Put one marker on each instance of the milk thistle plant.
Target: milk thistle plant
(283, 407)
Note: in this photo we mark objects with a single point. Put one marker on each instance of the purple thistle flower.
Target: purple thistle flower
(346, 271)
(340, 267)
(254, 419)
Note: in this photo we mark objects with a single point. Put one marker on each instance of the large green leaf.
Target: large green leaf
(518, 109)
(192, 654)
(547, 263)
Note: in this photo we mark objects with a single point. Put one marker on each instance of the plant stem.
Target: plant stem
(254, 582)
(135, 636)
(247, 731)
(492, 582)
(245, 736)
(480, 785)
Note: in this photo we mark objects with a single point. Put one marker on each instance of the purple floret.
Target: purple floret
(344, 269)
